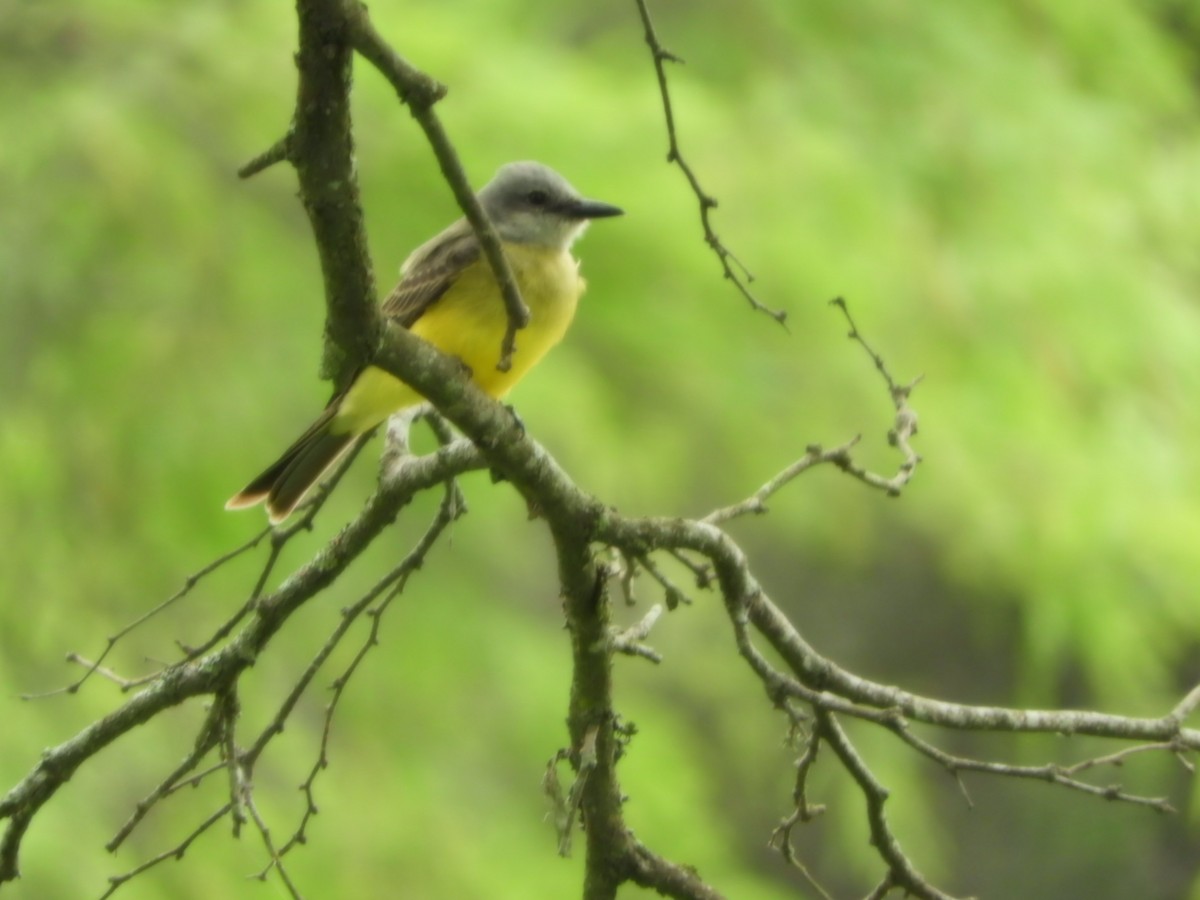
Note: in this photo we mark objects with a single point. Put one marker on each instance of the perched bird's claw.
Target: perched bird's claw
(517, 420)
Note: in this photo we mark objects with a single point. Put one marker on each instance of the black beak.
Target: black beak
(591, 209)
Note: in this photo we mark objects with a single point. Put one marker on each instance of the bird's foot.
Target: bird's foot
(517, 420)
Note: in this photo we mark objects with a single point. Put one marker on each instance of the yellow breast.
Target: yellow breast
(469, 322)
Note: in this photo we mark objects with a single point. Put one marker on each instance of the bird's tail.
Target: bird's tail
(285, 482)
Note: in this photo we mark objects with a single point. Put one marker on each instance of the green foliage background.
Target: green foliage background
(1008, 193)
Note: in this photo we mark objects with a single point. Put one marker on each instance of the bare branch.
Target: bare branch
(393, 583)
(209, 674)
(669, 879)
(903, 430)
(901, 872)
(732, 267)
(904, 427)
(320, 145)
(813, 456)
(275, 856)
(673, 595)
(208, 738)
(419, 93)
(276, 153)
(567, 808)
(803, 812)
(176, 853)
(188, 584)
(701, 572)
(1055, 774)
(630, 640)
(1187, 705)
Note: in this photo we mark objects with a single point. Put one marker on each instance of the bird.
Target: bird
(448, 295)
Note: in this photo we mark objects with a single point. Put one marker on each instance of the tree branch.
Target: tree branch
(419, 93)
(901, 873)
(220, 668)
(321, 148)
(320, 145)
(732, 267)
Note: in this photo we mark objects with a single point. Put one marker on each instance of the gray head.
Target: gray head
(529, 203)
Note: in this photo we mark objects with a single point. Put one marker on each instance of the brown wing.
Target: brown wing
(429, 272)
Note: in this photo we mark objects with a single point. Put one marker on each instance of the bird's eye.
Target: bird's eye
(538, 198)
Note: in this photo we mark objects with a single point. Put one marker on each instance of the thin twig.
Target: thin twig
(280, 536)
(275, 856)
(390, 586)
(732, 267)
(1187, 705)
(176, 853)
(276, 153)
(813, 456)
(629, 641)
(902, 873)
(587, 762)
(125, 684)
(207, 739)
(1050, 772)
(1118, 758)
(904, 427)
(625, 571)
(700, 571)
(672, 594)
(803, 811)
(188, 584)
